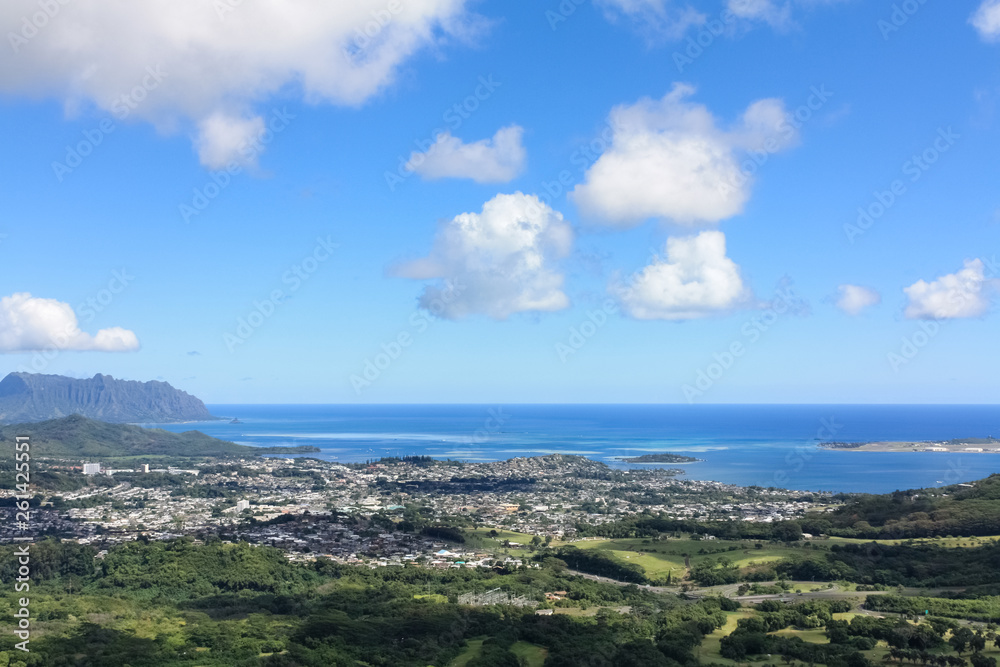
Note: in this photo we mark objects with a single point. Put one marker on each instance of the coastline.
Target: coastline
(966, 446)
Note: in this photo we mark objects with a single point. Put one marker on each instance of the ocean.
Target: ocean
(765, 445)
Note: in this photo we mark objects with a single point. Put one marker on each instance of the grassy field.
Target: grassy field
(472, 650)
(532, 654)
(709, 652)
(668, 555)
(660, 557)
(589, 611)
(480, 538)
(813, 636)
(945, 542)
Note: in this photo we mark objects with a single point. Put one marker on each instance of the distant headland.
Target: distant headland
(988, 445)
(75, 437)
(658, 458)
(31, 397)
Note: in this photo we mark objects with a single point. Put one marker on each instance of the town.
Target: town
(387, 513)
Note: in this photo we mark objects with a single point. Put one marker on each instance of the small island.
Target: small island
(658, 458)
(988, 445)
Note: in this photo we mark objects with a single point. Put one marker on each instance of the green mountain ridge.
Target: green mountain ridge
(77, 436)
(959, 509)
(32, 397)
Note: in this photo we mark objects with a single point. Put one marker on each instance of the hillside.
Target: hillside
(30, 397)
(76, 437)
(959, 509)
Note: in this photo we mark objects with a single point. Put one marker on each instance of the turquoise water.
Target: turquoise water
(765, 445)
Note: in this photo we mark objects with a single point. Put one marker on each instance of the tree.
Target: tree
(960, 639)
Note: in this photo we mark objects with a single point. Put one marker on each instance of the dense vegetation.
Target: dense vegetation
(960, 510)
(178, 603)
(650, 525)
(986, 608)
(957, 510)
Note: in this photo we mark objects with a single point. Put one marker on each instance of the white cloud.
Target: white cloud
(763, 10)
(219, 59)
(776, 13)
(669, 159)
(696, 280)
(987, 20)
(496, 160)
(966, 293)
(30, 324)
(497, 262)
(853, 299)
(223, 139)
(654, 18)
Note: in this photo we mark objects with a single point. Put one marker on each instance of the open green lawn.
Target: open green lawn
(709, 652)
(813, 636)
(668, 555)
(480, 538)
(532, 654)
(589, 611)
(472, 650)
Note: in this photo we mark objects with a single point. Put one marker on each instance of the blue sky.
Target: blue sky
(653, 144)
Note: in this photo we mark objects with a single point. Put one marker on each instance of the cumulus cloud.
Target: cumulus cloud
(497, 262)
(496, 160)
(216, 61)
(966, 293)
(30, 324)
(669, 159)
(986, 20)
(654, 18)
(854, 299)
(696, 280)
